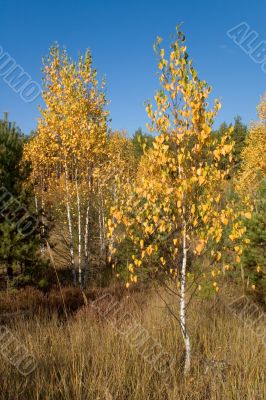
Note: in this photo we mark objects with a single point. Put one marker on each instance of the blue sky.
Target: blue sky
(120, 35)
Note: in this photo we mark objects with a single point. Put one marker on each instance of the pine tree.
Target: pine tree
(18, 244)
(139, 139)
(253, 259)
(251, 179)
(238, 136)
(11, 149)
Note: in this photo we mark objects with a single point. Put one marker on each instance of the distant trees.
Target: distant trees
(252, 180)
(254, 160)
(141, 139)
(239, 136)
(253, 259)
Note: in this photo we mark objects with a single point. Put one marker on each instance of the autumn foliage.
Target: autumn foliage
(169, 210)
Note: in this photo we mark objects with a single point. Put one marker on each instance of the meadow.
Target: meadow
(83, 356)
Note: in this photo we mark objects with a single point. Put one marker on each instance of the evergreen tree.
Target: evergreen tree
(19, 227)
(251, 180)
(254, 254)
(11, 149)
(239, 135)
(139, 139)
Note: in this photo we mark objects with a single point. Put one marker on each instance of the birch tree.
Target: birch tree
(69, 143)
(175, 209)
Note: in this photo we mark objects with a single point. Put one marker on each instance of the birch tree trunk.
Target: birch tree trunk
(111, 240)
(79, 232)
(101, 223)
(86, 245)
(183, 321)
(86, 232)
(103, 227)
(42, 226)
(36, 204)
(37, 213)
(70, 228)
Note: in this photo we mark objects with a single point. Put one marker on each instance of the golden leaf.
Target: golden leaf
(248, 215)
(200, 246)
(224, 220)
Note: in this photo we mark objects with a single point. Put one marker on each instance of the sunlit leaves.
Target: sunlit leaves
(179, 179)
(254, 156)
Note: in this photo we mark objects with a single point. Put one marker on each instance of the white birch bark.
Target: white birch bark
(86, 245)
(70, 228)
(42, 228)
(183, 321)
(79, 232)
(183, 276)
(36, 204)
(101, 224)
(86, 235)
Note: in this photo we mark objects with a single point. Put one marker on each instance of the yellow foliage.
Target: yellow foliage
(254, 154)
(177, 192)
(200, 246)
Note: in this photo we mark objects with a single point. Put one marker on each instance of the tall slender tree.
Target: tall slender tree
(175, 209)
(69, 144)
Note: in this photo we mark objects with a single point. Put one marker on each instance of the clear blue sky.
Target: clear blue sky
(120, 35)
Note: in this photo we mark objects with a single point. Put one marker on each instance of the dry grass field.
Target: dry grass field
(84, 357)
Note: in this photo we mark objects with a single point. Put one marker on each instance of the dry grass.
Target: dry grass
(87, 359)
